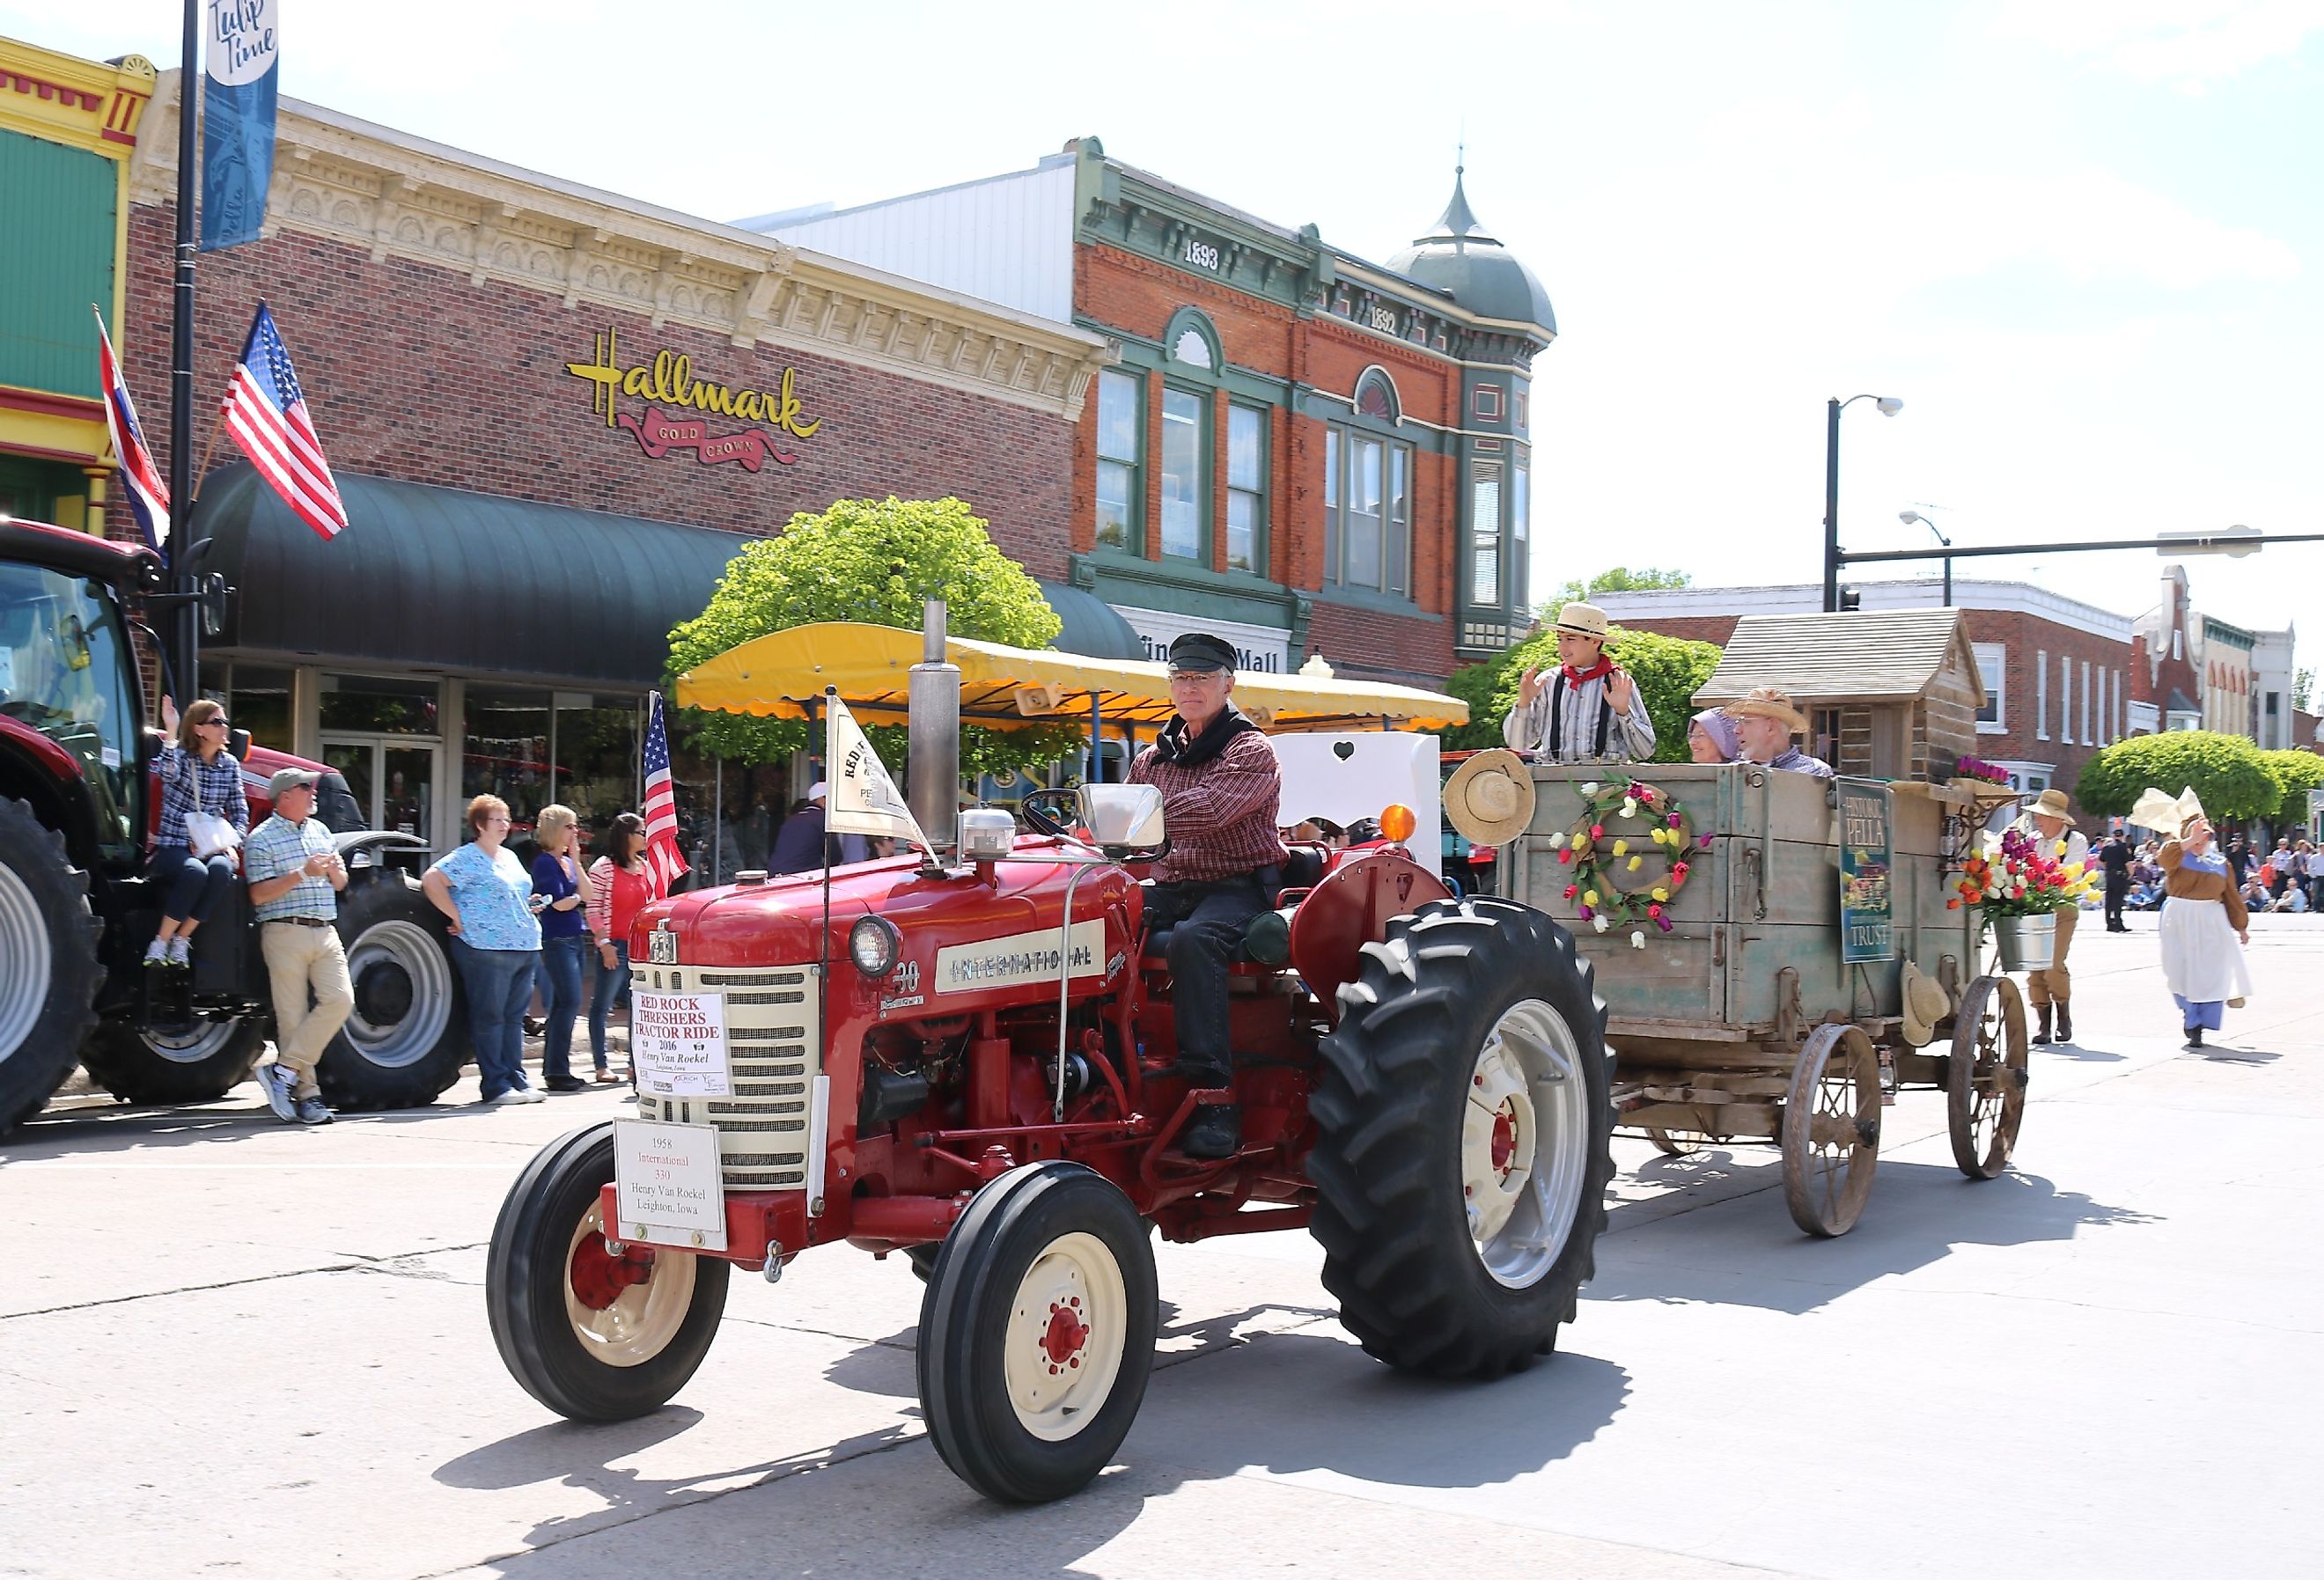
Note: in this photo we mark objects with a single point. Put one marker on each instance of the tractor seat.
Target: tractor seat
(1302, 869)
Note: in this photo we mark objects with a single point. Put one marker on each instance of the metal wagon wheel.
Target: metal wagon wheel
(1985, 1080)
(1831, 1130)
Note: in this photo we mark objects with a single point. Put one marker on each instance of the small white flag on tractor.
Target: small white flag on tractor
(861, 798)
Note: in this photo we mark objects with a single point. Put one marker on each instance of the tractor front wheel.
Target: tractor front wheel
(1462, 1152)
(49, 971)
(593, 1336)
(1037, 1333)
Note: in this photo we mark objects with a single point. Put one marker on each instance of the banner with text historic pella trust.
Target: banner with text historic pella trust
(238, 86)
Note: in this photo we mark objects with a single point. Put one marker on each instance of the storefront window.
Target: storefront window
(259, 699)
(1121, 422)
(505, 751)
(597, 759)
(393, 704)
(1245, 489)
(1184, 483)
(1367, 512)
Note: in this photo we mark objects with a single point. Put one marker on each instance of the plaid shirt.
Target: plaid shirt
(278, 846)
(189, 784)
(1221, 816)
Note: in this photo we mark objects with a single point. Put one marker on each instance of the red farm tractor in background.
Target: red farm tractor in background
(966, 1059)
(79, 805)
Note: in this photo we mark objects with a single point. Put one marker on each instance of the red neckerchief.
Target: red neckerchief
(1597, 671)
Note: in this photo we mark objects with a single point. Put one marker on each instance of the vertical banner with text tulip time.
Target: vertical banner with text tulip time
(238, 85)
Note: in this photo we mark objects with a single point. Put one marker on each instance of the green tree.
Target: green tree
(875, 561)
(2298, 772)
(2303, 687)
(2227, 771)
(1620, 578)
(1668, 670)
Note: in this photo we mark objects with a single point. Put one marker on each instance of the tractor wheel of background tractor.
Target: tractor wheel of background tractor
(923, 1258)
(593, 1336)
(1462, 1154)
(49, 971)
(198, 1065)
(1037, 1333)
(407, 1037)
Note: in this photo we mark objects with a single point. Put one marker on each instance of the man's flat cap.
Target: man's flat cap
(1199, 650)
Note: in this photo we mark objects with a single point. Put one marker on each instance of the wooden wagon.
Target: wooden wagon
(1736, 1011)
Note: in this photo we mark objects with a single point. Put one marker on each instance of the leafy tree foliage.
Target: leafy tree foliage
(1668, 670)
(1620, 578)
(875, 561)
(2303, 688)
(2298, 772)
(2227, 771)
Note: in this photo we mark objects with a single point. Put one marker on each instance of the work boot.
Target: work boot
(2194, 1037)
(2065, 1021)
(1214, 1131)
(2041, 1038)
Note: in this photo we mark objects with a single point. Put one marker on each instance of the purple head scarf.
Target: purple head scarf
(1721, 731)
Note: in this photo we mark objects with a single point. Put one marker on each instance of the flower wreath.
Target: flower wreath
(1600, 857)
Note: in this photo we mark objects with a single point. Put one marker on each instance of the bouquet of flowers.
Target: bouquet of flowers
(1978, 768)
(2017, 876)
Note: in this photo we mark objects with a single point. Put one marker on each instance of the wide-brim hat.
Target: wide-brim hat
(2161, 810)
(1582, 620)
(2052, 803)
(1925, 1004)
(1770, 708)
(1490, 797)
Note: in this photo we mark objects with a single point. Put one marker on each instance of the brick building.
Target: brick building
(2056, 672)
(552, 410)
(1304, 451)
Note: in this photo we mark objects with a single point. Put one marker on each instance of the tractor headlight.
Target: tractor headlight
(875, 945)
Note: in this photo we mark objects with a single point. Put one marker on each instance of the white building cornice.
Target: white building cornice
(393, 195)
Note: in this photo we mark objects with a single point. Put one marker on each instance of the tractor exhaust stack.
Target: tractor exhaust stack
(934, 770)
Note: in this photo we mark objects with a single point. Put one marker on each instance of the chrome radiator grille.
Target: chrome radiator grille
(774, 1048)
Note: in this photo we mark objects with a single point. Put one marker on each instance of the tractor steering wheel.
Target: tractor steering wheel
(1036, 813)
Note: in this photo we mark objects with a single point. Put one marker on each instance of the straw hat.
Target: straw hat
(1769, 702)
(1925, 1004)
(2161, 810)
(1582, 620)
(2052, 803)
(1489, 798)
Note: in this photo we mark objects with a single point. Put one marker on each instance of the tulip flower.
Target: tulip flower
(1569, 891)
(1661, 893)
(1557, 840)
(1590, 789)
(1637, 940)
(1589, 897)
(1637, 862)
(1599, 922)
(1597, 831)
(1622, 848)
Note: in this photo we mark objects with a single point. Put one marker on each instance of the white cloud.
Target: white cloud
(2190, 44)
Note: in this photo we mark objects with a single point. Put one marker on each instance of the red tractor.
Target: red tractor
(78, 805)
(965, 1059)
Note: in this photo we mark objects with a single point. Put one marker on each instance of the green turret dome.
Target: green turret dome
(1460, 258)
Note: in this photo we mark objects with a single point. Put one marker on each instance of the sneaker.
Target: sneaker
(278, 1083)
(529, 1094)
(181, 952)
(566, 1083)
(312, 1111)
(157, 953)
(515, 1097)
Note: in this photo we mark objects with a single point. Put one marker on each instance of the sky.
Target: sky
(2078, 238)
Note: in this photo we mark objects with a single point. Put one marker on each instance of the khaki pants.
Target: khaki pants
(2055, 985)
(298, 958)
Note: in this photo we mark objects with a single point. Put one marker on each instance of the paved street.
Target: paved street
(229, 1348)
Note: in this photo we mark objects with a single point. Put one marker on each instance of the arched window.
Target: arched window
(1192, 341)
(1376, 396)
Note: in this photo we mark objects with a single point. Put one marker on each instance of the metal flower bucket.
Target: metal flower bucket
(2027, 943)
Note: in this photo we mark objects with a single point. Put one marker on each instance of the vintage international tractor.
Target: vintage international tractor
(78, 805)
(966, 1058)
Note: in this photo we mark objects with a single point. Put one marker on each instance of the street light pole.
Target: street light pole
(1909, 517)
(1889, 406)
(186, 645)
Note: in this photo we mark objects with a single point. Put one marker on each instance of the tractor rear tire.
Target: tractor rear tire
(590, 1348)
(1464, 1123)
(1037, 1333)
(408, 1038)
(140, 1064)
(48, 970)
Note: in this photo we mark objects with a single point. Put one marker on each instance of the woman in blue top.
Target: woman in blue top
(561, 895)
(488, 895)
(197, 774)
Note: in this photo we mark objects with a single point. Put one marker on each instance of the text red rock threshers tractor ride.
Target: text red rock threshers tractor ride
(965, 1058)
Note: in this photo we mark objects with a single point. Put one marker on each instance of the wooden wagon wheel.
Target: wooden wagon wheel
(1985, 1080)
(1831, 1130)
(1674, 1143)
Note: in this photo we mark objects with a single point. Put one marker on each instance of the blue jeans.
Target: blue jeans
(190, 886)
(500, 987)
(561, 967)
(612, 986)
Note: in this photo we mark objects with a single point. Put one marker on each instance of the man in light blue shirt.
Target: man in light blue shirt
(293, 868)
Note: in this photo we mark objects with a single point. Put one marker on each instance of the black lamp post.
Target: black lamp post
(1889, 406)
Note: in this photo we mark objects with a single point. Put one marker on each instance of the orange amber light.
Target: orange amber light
(1398, 821)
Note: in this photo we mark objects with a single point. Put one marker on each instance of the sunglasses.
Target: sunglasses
(222, 722)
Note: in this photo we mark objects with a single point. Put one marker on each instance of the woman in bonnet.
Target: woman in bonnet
(2205, 924)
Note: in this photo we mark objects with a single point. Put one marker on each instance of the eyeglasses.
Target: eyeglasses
(222, 722)
(1188, 676)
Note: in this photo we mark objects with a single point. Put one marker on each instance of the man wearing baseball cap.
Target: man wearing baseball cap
(293, 868)
(1590, 710)
(1221, 791)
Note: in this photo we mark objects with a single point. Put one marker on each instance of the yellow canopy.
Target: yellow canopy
(779, 676)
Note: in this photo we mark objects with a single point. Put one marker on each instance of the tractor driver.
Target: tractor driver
(1221, 786)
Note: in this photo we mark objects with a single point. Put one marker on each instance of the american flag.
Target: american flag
(267, 416)
(661, 805)
(149, 499)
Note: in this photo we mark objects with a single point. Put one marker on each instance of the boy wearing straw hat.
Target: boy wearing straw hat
(2047, 822)
(1590, 710)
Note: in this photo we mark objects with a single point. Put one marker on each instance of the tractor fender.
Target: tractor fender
(1351, 907)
